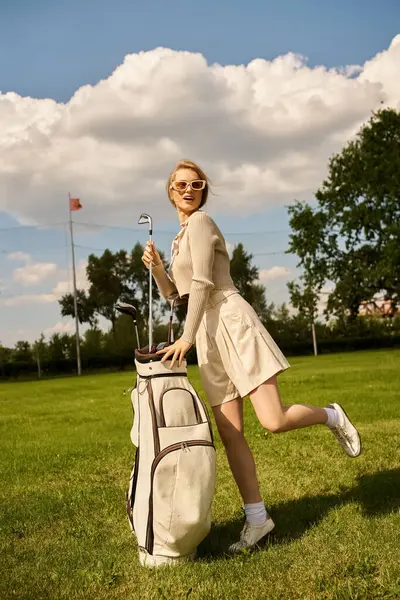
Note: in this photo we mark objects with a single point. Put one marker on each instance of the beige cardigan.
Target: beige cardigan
(199, 264)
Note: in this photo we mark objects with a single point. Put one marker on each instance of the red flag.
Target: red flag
(75, 204)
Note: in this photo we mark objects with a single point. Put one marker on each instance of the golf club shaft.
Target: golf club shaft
(137, 333)
(170, 324)
(145, 218)
(137, 337)
(150, 297)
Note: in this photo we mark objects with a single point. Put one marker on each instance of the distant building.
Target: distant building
(378, 308)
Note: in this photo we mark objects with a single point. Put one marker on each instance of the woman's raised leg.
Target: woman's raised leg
(277, 418)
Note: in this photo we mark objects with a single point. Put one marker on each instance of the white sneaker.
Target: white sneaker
(252, 534)
(346, 434)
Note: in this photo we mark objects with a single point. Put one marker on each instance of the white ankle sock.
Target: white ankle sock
(255, 513)
(334, 417)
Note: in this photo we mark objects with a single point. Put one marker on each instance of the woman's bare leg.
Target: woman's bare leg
(229, 419)
(276, 417)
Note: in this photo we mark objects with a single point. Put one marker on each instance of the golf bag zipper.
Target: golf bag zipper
(173, 448)
(163, 375)
(153, 411)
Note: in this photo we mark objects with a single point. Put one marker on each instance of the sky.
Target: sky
(101, 99)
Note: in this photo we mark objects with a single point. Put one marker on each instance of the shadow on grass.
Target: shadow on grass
(377, 494)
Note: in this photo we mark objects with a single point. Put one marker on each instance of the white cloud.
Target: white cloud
(264, 131)
(28, 299)
(61, 327)
(273, 273)
(19, 256)
(34, 273)
(65, 286)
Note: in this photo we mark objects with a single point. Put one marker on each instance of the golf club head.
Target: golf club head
(126, 309)
(145, 218)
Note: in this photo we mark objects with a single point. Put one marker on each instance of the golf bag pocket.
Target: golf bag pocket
(135, 427)
(178, 435)
(182, 492)
(178, 407)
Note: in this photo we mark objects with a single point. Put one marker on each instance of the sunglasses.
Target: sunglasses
(182, 186)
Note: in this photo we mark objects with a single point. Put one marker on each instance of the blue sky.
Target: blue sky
(50, 49)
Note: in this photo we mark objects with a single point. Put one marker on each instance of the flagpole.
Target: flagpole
(78, 349)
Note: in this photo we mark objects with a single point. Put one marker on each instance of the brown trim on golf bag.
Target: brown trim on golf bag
(130, 499)
(156, 437)
(183, 374)
(195, 407)
(173, 448)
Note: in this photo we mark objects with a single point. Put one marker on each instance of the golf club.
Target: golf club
(128, 309)
(145, 218)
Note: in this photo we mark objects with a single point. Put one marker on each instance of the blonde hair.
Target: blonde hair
(188, 164)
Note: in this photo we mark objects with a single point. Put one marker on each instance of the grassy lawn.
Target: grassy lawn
(65, 462)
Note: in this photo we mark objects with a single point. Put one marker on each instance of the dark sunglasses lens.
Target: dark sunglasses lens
(180, 185)
(197, 185)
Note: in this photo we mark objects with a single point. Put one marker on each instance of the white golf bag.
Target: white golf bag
(173, 478)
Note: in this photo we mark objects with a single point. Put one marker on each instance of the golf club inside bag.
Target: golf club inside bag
(173, 478)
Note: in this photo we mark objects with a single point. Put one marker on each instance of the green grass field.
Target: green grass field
(65, 462)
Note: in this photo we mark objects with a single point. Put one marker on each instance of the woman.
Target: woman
(236, 354)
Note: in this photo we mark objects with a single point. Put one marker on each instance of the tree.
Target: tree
(39, 353)
(59, 347)
(305, 298)
(244, 277)
(352, 236)
(107, 275)
(5, 356)
(85, 307)
(22, 352)
(113, 277)
(92, 343)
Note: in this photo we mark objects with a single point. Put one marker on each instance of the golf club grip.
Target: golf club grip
(169, 330)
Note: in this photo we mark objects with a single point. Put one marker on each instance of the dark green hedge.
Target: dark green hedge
(28, 370)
